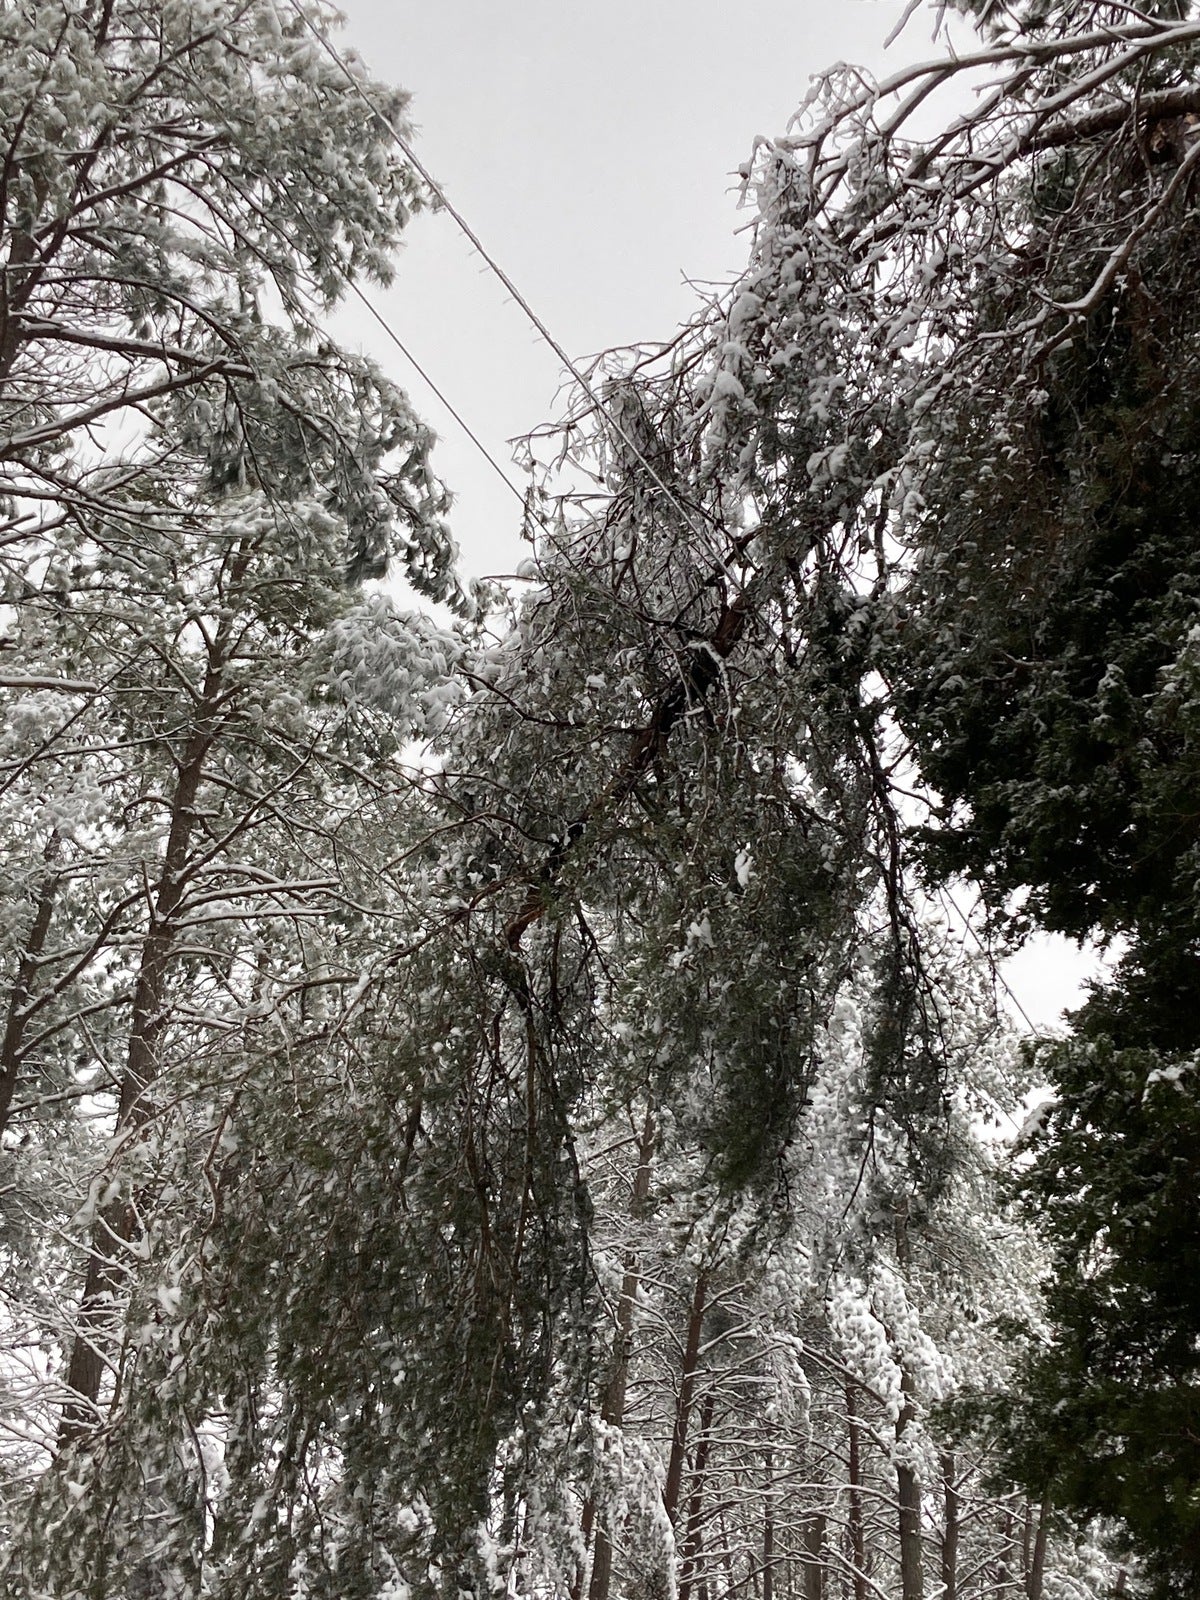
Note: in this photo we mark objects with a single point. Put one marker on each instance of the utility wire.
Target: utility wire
(547, 336)
(1000, 978)
(449, 405)
(492, 264)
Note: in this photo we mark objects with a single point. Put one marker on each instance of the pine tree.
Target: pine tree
(953, 397)
(320, 1051)
(200, 788)
(1046, 663)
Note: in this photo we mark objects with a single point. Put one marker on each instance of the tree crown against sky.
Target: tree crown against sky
(182, 193)
(1012, 403)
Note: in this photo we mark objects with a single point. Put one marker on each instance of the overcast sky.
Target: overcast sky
(592, 148)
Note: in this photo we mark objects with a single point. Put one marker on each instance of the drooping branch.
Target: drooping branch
(700, 672)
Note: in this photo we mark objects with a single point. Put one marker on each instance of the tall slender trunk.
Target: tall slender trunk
(814, 1545)
(768, 1523)
(691, 1540)
(951, 1504)
(1004, 1570)
(1027, 1540)
(683, 1406)
(1035, 1575)
(855, 1517)
(908, 1487)
(116, 1223)
(612, 1404)
(16, 1020)
(21, 271)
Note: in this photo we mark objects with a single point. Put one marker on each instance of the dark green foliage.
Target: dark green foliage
(907, 1052)
(1053, 700)
(1049, 663)
(1109, 1423)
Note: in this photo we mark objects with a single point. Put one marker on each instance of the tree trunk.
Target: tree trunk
(683, 1406)
(814, 1543)
(912, 1578)
(908, 1488)
(768, 1527)
(855, 1516)
(117, 1221)
(1004, 1571)
(690, 1553)
(949, 1561)
(1035, 1576)
(612, 1404)
(15, 1023)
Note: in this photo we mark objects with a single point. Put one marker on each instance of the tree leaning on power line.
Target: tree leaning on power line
(971, 357)
(338, 1326)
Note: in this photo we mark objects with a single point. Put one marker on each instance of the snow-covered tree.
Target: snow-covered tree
(228, 917)
(185, 187)
(201, 795)
(552, 1159)
(948, 408)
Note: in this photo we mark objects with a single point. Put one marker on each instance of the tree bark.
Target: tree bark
(690, 1554)
(768, 1527)
(950, 1502)
(855, 1515)
(912, 1577)
(13, 1040)
(612, 1404)
(908, 1488)
(116, 1224)
(814, 1569)
(683, 1406)
(1035, 1577)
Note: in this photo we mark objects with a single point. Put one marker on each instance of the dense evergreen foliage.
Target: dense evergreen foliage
(1108, 1421)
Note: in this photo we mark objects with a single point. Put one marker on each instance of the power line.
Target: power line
(999, 977)
(449, 405)
(969, 926)
(544, 332)
(493, 265)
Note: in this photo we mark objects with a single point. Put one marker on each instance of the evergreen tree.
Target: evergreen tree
(957, 389)
(1046, 657)
(317, 1052)
(200, 790)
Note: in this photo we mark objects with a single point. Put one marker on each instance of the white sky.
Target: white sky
(592, 148)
